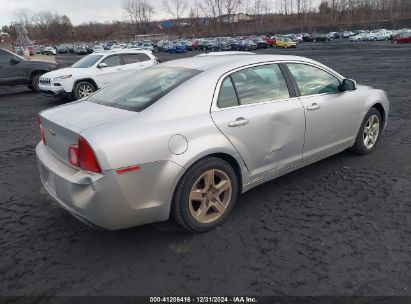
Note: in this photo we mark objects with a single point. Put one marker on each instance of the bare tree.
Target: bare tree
(23, 16)
(231, 8)
(140, 14)
(176, 9)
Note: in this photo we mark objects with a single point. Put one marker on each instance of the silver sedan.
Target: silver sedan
(185, 138)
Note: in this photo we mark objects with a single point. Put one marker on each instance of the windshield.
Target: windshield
(87, 61)
(141, 89)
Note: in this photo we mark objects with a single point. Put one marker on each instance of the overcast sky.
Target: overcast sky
(78, 11)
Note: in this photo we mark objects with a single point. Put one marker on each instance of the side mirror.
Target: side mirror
(14, 60)
(348, 85)
(102, 65)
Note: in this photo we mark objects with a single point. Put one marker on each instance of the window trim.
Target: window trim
(216, 108)
(294, 82)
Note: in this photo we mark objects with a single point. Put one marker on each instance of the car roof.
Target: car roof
(121, 51)
(228, 62)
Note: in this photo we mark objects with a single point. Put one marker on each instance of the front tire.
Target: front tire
(34, 83)
(369, 133)
(83, 89)
(205, 195)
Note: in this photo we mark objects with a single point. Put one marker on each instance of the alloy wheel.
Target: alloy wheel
(210, 196)
(371, 131)
(85, 90)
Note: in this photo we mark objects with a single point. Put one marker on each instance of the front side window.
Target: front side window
(260, 84)
(312, 80)
(139, 90)
(112, 61)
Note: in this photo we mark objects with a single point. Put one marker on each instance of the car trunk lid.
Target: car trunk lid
(62, 125)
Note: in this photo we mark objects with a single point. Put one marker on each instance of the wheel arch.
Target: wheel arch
(234, 162)
(32, 73)
(380, 109)
(90, 80)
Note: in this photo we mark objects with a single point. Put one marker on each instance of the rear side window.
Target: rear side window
(227, 96)
(130, 58)
(260, 84)
(139, 90)
(312, 80)
(143, 57)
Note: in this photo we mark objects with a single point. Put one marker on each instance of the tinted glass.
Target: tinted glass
(260, 84)
(130, 58)
(87, 61)
(143, 57)
(227, 96)
(112, 61)
(139, 90)
(312, 80)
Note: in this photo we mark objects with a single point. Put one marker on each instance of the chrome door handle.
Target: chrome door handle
(313, 106)
(240, 121)
(119, 69)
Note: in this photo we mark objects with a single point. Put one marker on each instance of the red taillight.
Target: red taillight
(86, 158)
(43, 136)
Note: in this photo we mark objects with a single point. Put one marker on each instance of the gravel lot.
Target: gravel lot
(339, 227)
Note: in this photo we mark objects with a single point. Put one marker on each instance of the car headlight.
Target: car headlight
(61, 77)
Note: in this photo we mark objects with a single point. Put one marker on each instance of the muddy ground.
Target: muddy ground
(339, 227)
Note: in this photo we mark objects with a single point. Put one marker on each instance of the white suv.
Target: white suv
(94, 71)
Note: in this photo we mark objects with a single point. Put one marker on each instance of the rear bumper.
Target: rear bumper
(109, 200)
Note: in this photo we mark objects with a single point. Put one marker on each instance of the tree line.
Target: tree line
(217, 18)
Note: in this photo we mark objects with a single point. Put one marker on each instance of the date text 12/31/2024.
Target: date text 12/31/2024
(203, 299)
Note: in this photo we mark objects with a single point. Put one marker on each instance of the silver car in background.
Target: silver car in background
(186, 137)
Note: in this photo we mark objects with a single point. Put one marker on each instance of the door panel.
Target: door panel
(331, 115)
(260, 119)
(270, 136)
(109, 74)
(331, 120)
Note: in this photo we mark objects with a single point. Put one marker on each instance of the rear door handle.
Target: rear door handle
(240, 121)
(313, 106)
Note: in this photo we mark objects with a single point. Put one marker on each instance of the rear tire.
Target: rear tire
(369, 133)
(205, 195)
(83, 89)
(34, 83)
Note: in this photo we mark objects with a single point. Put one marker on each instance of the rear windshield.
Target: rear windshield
(139, 90)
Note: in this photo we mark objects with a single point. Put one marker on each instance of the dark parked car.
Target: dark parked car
(15, 70)
(247, 45)
(261, 44)
(81, 50)
(321, 38)
(62, 50)
(308, 38)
